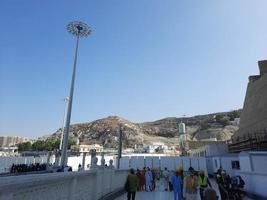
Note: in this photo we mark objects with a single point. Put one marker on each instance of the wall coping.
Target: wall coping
(253, 173)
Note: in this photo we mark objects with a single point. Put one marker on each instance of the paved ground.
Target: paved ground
(160, 194)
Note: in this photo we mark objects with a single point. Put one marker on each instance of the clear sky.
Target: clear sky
(145, 59)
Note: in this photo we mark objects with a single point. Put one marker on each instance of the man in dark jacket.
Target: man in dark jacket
(131, 185)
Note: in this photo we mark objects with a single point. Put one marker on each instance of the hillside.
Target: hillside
(106, 131)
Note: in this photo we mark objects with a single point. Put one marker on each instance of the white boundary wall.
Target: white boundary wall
(160, 162)
(73, 161)
(6, 162)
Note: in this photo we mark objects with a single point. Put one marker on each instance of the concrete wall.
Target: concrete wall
(254, 115)
(259, 162)
(254, 172)
(226, 163)
(255, 182)
(252, 169)
(210, 150)
(90, 185)
(213, 164)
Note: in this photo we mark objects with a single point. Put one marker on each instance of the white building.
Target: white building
(210, 139)
(9, 151)
(236, 121)
(157, 147)
(83, 148)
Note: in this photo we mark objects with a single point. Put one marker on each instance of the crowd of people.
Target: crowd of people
(230, 187)
(21, 168)
(184, 185)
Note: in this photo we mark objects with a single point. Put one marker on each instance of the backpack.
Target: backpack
(241, 182)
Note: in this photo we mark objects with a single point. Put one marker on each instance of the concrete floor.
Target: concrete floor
(160, 194)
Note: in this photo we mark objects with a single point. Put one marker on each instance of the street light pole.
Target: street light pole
(79, 29)
(120, 148)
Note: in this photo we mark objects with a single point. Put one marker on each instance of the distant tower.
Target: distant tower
(181, 128)
(182, 137)
(77, 140)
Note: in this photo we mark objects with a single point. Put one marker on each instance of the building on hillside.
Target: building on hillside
(84, 148)
(8, 151)
(7, 141)
(235, 122)
(156, 147)
(44, 137)
(111, 151)
(252, 133)
(128, 150)
(210, 139)
(209, 150)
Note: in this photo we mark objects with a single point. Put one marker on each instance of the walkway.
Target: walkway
(160, 194)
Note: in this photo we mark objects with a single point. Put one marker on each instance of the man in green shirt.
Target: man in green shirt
(131, 185)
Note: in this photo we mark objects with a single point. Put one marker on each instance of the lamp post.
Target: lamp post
(78, 29)
(120, 147)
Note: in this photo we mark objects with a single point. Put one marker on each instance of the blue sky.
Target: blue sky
(144, 60)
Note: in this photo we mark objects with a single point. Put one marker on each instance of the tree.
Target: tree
(70, 142)
(42, 145)
(223, 120)
(24, 146)
(234, 114)
(205, 127)
(56, 144)
(218, 118)
(39, 145)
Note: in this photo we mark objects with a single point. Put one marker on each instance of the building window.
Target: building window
(235, 164)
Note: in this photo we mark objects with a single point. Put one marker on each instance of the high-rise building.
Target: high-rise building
(7, 141)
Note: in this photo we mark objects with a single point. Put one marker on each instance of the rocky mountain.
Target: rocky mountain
(106, 131)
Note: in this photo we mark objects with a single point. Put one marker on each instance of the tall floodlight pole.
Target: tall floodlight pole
(78, 29)
(66, 99)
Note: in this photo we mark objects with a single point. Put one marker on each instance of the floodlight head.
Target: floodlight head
(79, 29)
